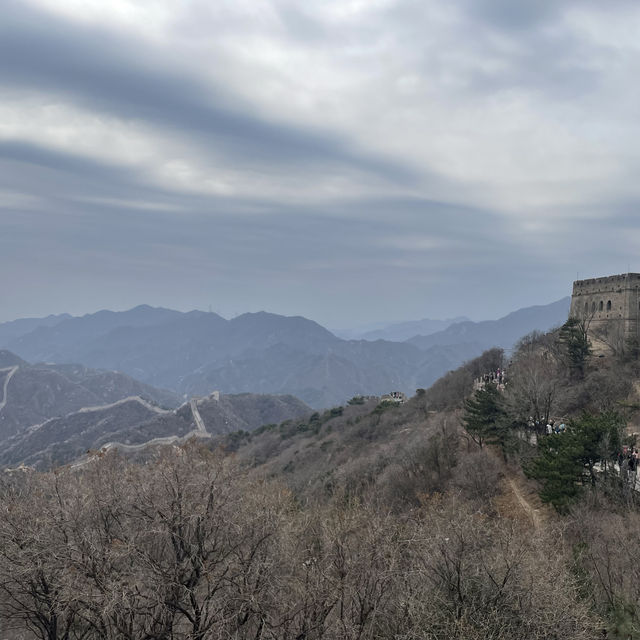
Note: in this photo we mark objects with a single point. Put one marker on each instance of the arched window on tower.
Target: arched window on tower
(586, 307)
(593, 307)
(609, 305)
(601, 305)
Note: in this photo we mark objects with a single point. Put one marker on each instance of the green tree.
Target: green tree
(574, 338)
(485, 418)
(581, 456)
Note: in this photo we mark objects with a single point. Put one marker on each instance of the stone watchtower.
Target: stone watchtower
(610, 307)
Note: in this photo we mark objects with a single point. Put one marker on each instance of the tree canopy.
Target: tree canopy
(569, 461)
(485, 418)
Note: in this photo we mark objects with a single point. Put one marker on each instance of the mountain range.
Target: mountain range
(52, 414)
(504, 332)
(195, 353)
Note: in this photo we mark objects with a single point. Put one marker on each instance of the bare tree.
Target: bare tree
(189, 546)
(534, 379)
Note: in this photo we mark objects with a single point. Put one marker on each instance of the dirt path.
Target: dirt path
(511, 486)
(532, 513)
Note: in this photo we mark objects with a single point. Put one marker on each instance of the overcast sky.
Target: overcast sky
(347, 160)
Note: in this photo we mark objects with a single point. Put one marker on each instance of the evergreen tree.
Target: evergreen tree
(574, 338)
(581, 456)
(485, 418)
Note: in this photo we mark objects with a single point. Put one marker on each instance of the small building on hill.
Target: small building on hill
(394, 396)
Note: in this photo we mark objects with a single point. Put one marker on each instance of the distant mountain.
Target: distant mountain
(14, 329)
(133, 424)
(255, 352)
(197, 352)
(62, 341)
(404, 330)
(173, 353)
(504, 332)
(356, 333)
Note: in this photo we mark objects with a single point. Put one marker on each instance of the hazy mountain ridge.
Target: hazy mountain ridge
(61, 341)
(197, 352)
(401, 331)
(504, 332)
(15, 328)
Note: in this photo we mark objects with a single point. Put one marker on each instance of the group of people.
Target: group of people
(497, 377)
(550, 428)
(630, 455)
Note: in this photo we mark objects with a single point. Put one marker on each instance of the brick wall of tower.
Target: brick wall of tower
(607, 301)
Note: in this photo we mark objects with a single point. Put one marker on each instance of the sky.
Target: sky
(351, 161)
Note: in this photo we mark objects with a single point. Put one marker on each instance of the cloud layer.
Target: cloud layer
(349, 161)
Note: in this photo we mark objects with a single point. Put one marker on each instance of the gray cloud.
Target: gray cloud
(520, 17)
(536, 51)
(230, 250)
(516, 16)
(78, 233)
(24, 153)
(116, 75)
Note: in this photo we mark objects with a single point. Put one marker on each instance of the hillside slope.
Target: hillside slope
(31, 394)
(133, 423)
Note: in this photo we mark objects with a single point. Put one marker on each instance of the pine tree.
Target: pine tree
(580, 457)
(573, 335)
(485, 418)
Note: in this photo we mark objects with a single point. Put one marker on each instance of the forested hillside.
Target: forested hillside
(499, 503)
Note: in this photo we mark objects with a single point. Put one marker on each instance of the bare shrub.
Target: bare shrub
(478, 475)
(190, 547)
(487, 578)
(605, 543)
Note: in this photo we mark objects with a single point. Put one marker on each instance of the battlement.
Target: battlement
(621, 280)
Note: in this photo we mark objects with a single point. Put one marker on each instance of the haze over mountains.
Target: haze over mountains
(16, 328)
(400, 331)
(504, 332)
(196, 352)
